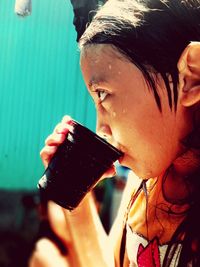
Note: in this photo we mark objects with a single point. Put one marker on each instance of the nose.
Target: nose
(103, 129)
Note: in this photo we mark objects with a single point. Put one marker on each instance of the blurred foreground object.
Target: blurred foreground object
(19, 226)
(23, 7)
(84, 11)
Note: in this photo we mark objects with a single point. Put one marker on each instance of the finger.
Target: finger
(66, 119)
(47, 153)
(55, 139)
(62, 128)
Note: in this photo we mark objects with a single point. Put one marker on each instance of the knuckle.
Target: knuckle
(43, 153)
(66, 118)
(46, 140)
(49, 139)
(58, 127)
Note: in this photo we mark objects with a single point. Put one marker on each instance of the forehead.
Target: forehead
(102, 60)
(99, 49)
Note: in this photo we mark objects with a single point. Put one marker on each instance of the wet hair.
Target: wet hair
(150, 33)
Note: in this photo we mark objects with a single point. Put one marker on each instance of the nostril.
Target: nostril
(104, 135)
(104, 131)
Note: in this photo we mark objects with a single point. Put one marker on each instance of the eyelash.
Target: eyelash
(99, 92)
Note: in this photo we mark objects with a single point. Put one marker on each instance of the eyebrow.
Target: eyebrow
(96, 81)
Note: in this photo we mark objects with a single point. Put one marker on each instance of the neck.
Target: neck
(178, 181)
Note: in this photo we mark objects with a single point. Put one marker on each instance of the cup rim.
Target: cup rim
(87, 130)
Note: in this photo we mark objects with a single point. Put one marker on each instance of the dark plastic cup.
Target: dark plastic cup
(76, 167)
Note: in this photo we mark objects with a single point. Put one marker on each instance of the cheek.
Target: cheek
(119, 109)
(139, 132)
(122, 127)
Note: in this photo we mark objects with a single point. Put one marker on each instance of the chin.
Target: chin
(130, 163)
(126, 161)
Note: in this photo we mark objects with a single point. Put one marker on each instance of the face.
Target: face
(127, 114)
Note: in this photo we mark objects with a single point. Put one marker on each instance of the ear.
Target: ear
(189, 75)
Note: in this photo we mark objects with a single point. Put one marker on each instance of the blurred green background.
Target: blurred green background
(40, 81)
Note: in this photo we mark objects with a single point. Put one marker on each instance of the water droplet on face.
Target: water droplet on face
(110, 66)
(114, 114)
(124, 111)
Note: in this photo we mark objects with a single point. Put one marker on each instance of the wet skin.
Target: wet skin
(127, 114)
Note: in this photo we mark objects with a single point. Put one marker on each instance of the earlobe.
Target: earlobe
(189, 75)
(191, 97)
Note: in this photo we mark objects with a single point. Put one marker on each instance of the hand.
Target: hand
(46, 254)
(54, 140)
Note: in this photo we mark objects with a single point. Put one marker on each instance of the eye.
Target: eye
(101, 94)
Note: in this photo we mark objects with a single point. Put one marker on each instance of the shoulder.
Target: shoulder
(132, 184)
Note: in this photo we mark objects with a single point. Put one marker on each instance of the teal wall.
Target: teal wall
(40, 81)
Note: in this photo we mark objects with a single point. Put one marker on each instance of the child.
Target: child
(140, 60)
